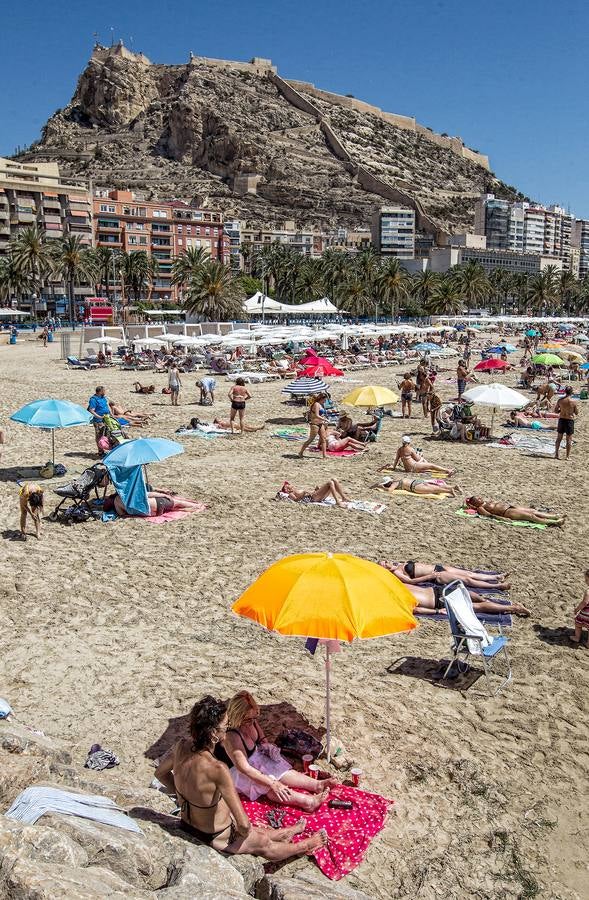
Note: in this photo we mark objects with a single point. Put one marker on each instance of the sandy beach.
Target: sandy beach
(112, 630)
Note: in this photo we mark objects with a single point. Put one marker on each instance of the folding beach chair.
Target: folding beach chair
(74, 363)
(78, 493)
(470, 637)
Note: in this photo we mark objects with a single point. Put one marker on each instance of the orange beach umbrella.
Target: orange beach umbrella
(332, 596)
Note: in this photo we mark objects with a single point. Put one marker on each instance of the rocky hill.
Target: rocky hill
(194, 130)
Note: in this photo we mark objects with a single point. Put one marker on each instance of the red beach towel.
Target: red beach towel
(174, 514)
(350, 831)
(337, 452)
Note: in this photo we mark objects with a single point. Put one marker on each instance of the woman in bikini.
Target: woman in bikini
(499, 509)
(412, 572)
(330, 489)
(417, 486)
(257, 767)
(210, 808)
(430, 601)
(336, 442)
(160, 502)
(238, 395)
(317, 427)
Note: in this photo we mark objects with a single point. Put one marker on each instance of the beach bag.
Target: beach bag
(48, 470)
(104, 444)
(299, 743)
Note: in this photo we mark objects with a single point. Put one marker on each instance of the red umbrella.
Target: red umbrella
(486, 365)
(319, 370)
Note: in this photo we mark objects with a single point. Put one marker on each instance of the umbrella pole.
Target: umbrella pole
(492, 420)
(53, 446)
(327, 703)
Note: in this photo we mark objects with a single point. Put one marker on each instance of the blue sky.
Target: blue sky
(509, 76)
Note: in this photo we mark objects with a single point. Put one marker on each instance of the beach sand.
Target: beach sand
(113, 630)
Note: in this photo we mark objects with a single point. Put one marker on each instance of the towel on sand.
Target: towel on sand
(210, 432)
(335, 453)
(350, 831)
(291, 433)
(171, 516)
(467, 515)
(34, 802)
(359, 505)
(503, 619)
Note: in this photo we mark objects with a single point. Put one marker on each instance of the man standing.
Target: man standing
(567, 411)
(461, 376)
(407, 387)
(99, 406)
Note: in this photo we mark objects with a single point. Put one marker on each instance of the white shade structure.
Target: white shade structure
(497, 396)
(107, 340)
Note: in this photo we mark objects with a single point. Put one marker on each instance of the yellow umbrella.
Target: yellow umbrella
(328, 596)
(371, 395)
(572, 355)
(550, 345)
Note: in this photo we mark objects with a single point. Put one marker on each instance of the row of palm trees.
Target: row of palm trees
(363, 285)
(34, 263)
(367, 284)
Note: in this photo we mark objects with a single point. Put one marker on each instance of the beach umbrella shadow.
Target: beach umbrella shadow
(559, 636)
(432, 670)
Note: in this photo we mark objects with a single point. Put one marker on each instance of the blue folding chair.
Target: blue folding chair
(470, 637)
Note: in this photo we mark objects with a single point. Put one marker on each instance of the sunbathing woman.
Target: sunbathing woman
(143, 389)
(501, 510)
(330, 489)
(520, 421)
(412, 461)
(210, 808)
(418, 486)
(226, 426)
(137, 419)
(336, 442)
(430, 601)
(257, 767)
(412, 572)
(160, 502)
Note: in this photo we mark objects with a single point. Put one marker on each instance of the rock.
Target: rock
(202, 872)
(22, 879)
(17, 738)
(305, 886)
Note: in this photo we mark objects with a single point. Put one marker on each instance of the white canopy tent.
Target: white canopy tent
(6, 313)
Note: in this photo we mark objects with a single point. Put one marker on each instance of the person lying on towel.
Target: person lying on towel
(502, 510)
(412, 572)
(520, 421)
(331, 488)
(160, 502)
(337, 441)
(429, 486)
(431, 601)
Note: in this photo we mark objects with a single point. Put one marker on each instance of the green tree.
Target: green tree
(311, 283)
(188, 265)
(393, 284)
(543, 290)
(13, 281)
(423, 286)
(446, 298)
(472, 283)
(73, 261)
(213, 293)
(33, 257)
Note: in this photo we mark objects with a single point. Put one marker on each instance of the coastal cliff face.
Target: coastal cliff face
(188, 130)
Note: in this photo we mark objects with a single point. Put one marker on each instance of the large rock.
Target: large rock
(305, 886)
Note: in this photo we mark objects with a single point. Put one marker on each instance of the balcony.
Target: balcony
(52, 220)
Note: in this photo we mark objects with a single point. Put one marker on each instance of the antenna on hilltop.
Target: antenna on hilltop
(112, 35)
(131, 41)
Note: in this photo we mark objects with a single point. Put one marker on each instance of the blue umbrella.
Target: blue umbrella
(584, 366)
(51, 414)
(426, 346)
(531, 332)
(509, 348)
(303, 387)
(141, 451)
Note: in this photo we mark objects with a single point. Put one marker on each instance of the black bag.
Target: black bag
(299, 743)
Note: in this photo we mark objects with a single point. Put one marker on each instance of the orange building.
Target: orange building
(163, 229)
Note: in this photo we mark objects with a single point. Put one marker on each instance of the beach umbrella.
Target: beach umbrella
(584, 366)
(304, 387)
(52, 414)
(583, 338)
(141, 451)
(358, 599)
(107, 340)
(497, 396)
(371, 395)
(572, 355)
(550, 345)
(426, 346)
(148, 342)
(498, 349)
(547, 359)
(487, 365)
(531, 332)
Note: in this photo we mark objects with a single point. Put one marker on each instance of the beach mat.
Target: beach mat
(338, 453)
(350, 831)
(503, 619)
(197, 432)
(369, 506)
(462, 512)
(172, 516)
(419, 496)
(291, 433)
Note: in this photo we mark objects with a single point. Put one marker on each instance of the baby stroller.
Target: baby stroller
(111, 434)
(78, 493)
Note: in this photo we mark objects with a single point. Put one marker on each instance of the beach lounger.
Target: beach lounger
(74, 363)
(471, 638)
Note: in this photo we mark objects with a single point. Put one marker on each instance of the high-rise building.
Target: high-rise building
(164, 229)
(393, 231)
(525, 228)
(306, 241)
(38, 194)
(580, 241)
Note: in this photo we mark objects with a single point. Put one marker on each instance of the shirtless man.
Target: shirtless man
(545, 393)
(567, 411)
(501, 510)
(317, 427)
(407, 387)
(461, 376)
(412, 461)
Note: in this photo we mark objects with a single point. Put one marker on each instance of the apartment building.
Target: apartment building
(232, 231)
(580, 241)
(393, 231)
(38, 194)
(526, 228)
(164, 229)
(442, 259)
(305, 241)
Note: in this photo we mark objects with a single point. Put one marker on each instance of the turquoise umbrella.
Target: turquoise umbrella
(51, 414)
(141, 451)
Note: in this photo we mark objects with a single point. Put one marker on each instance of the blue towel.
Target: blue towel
(129, 483)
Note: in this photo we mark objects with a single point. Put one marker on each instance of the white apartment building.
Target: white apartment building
(580, 241)
(393, 231)
(526, 228)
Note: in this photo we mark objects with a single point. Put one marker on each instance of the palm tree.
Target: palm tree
(152, 270)
(520, 285)
(394, 284)
(568, 288)
(213, 293)
(72, 260)
(13, 281)
(473, 283)
(32, 257)
(311, 284)
(355, 295)
(544, 289)
(423, 287)
(105, 261)
(188, 265)
(446, 299)
(336, 267)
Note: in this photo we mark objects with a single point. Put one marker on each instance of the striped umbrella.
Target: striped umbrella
(303, 387)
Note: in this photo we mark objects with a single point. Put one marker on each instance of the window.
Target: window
(180, 228)
(108, 223)
(160, 214)
(141, 211)
(207, 231)
(189, 229)
(132, 239)
(106, 208)
(143, 240)
(180, 241)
